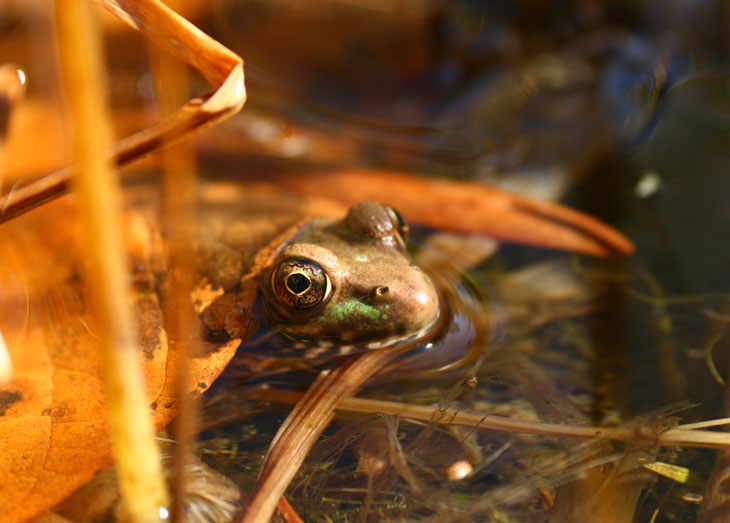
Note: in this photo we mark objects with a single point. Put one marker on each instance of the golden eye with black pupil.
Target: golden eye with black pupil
(299, 283)
(398, 222)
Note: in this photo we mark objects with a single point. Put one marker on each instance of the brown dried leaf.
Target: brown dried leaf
(53, 428)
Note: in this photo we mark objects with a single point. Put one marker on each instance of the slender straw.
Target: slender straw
(311, 415)
(11, 89)
(172, 84)
(680, 436)
(135, 451)
(6, 366)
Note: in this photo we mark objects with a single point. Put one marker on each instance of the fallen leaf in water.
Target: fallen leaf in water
(53, 428)
(470, 208)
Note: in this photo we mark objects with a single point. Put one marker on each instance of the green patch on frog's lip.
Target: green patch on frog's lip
(331, 346)
(341, 312)
(354, 310)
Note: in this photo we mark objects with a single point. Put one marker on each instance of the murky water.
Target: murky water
(626, 125)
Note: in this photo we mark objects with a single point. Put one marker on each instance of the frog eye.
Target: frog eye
(398, 222)
(300, 283)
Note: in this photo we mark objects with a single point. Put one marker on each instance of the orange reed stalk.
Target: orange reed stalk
(135, 451)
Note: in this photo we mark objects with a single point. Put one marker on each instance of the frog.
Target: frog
(351, 282)
(323, 285)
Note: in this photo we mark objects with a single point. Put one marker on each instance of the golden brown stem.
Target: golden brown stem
(679, 436)
(302, 427)
(178, 202)
(287, 512)
(11, 89)
(135, 451)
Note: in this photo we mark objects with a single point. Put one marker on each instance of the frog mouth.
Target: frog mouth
(397, 340)
(320, 347)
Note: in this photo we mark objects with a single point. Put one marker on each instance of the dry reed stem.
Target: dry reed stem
(312, 413)
(220, 66)
(178, 201)
(287, 512)
(6, 366)
(672, 437)
(705, 424)
(11, 90)
(135, 451)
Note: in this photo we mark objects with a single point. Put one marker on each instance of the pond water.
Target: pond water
(620, 111)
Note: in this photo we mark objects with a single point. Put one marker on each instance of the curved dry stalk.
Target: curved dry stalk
(672, 437)
(220, 66)
(312, 413)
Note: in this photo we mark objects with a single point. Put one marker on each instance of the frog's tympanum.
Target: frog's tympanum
(350, 282)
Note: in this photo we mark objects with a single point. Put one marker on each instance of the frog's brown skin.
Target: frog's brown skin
(342, 283)
(350, 282)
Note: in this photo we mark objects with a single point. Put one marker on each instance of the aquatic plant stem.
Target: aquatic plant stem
(135, 451)
(637, 436)
(287, 512)
(312, 413)
(172, 83)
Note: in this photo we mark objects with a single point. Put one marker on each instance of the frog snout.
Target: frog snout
(410, 304)
(424, 305)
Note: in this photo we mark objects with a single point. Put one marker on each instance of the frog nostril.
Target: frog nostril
(380, 294)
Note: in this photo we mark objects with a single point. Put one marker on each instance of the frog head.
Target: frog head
(350, 282)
